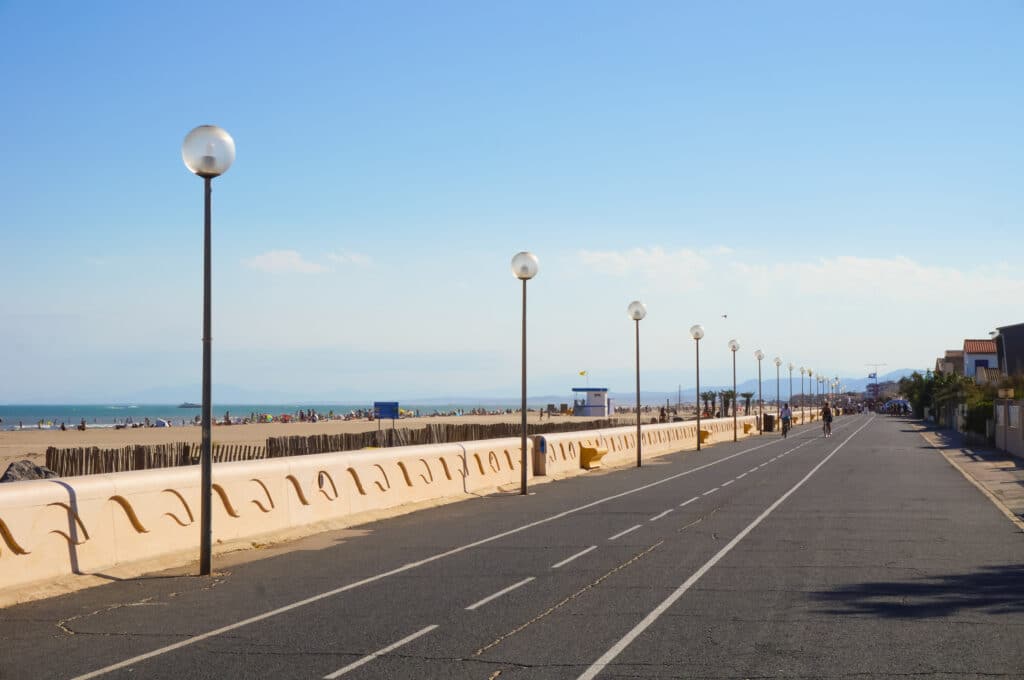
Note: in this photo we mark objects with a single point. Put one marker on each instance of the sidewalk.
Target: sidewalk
(997, 474)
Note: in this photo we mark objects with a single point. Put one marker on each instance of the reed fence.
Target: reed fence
(92, 460)
(68, 462)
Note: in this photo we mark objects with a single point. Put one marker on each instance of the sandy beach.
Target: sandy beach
(32, 444)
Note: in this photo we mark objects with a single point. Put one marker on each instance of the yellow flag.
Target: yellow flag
(583, 372)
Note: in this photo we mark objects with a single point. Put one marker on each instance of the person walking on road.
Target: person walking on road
(786, 415)
(826, 417)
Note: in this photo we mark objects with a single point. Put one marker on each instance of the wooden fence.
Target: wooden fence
(93, 460)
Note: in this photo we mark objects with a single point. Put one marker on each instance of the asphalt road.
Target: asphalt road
(862, 555)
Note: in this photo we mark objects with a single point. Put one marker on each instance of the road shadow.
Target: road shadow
(992, 590)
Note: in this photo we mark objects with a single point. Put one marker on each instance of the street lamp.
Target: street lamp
(697, 332)
(791, 367)
(810, 386)
(759, 355)
(637, 310)
(803, 415)
(208, 151)
(778, 405)
(525, 267)
(734, 346)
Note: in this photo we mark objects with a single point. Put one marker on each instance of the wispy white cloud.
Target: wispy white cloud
(680, 267)
(347, 258)
(284, 261)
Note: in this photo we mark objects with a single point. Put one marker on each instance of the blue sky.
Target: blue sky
(842, 179)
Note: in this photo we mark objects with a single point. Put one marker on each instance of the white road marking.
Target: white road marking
(623, 533)
(659, 516)
(498, 594)
(382, 652)
(619, 646)
(399, 570)
(695, 498)
(570, 559)
(742, 476)
(753, 469)
(725, 484)
(709, 492)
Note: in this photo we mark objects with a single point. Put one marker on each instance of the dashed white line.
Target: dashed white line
(382, 652)
(695, 498)
(742, 476)
(753, 469)
(724, 484)
(623, 533)
(709, 492)
(570, 559)
(659, 516)
(646, 622)
(498, 594)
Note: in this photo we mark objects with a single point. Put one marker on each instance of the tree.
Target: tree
(728, 397)
(709, 401)
(747, 396)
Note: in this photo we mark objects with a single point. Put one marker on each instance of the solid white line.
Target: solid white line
(657, 517)
(623, 533)
(371, 657)
(725, 484)
(498, 594)
(570, 559)
(619, 646)
(398, 570)
(695, 498)
(709, 492)
(753, 469)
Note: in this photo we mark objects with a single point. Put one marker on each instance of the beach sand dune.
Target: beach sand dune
(32, 444)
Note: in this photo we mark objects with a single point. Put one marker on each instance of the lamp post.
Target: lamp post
(759, 355)
(791, 367)
(697, 332)
(803, 414)
(208, 151)
(810, 387)
(637, 311)
(525, 267)
(734, 347)
(778, 405)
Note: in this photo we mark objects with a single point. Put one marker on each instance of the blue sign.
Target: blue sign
(385, 409)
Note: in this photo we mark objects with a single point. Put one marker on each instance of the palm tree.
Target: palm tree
(728, 396)
(747, 396)
(709, 401)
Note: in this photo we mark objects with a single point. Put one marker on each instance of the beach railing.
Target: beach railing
(91, 460)
(72, 462)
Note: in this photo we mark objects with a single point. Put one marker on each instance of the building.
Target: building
(951, 362)
(1010, 349)
(595, 402)
(979, 353)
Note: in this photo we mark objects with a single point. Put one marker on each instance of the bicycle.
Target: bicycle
(786, 426)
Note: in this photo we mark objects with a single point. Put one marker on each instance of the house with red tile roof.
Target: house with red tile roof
(979, 353)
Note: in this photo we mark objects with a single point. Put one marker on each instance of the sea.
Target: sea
(50, 416)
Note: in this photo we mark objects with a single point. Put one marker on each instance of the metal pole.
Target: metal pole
(638, 392)
(697, 341)
(735, 438)
(791, 390)
(778, 405)
(205, 457)
(522, 478)
(760, 400)
(803, 399)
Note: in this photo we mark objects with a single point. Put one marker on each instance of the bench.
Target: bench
(590, 457)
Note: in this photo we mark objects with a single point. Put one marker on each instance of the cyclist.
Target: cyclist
(787, 419)
(826, 417)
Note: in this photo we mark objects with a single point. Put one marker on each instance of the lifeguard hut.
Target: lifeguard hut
(591, 401)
